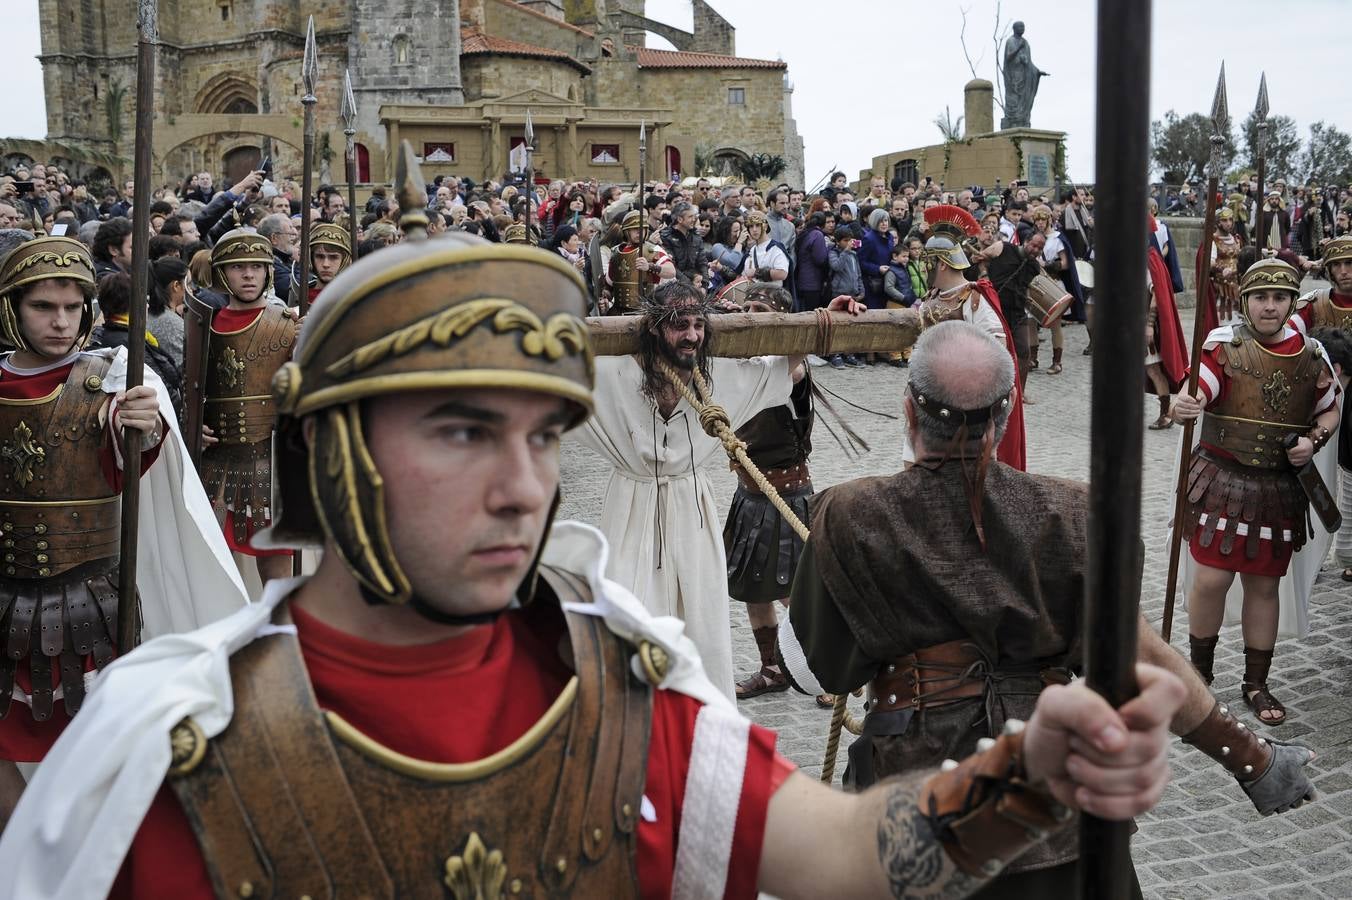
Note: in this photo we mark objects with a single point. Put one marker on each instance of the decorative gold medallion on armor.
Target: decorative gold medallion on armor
(1276, 391)
(230, 368)
(22, 454)
(477, 873)
(187, 745)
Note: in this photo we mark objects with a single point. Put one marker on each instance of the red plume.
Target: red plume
(960, 223)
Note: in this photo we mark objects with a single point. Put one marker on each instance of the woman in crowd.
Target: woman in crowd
(114, 303)
(164, 316)
(813, 263)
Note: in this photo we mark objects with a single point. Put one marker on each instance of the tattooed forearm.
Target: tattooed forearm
(911, 856)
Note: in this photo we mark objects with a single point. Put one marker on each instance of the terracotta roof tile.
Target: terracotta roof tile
(651, 58)
(474, 42)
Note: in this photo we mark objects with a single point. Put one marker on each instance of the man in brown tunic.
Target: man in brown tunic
(963, 600)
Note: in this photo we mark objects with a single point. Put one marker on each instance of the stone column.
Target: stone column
(571, 164)
(391, 151)
(494, 147)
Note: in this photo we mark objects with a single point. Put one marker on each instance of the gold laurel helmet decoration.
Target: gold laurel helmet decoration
(1338, 248)
(240, 246)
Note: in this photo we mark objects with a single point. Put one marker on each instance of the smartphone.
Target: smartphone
(267, 166)
(59, 230)
(23, 187)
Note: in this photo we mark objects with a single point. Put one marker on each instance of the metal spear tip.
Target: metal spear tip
(1261, 108)
(1220, 107)
(642, 135)
(530, 132)
(310, 68)
(411, 190)
(348, 108)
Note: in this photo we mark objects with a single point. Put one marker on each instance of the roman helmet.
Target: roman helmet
(1338, 248)
(632, 219)
(240, 246)
(1225, 214)
(327, 234)
(38, 260)
(515, 233)
(456, 312)
(1267, 274)
(949, 226)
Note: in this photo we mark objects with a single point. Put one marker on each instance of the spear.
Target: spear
(530, 177)
(128, 605)
(1113, 578)
(348, 111)
(1260, 112)
(642, 181)
(1220, 127)
(309, 74)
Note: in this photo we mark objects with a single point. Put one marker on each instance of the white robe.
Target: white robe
(659, 514)
(76, 821)
(185, 575)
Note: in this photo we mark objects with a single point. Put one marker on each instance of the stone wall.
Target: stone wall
(698, 99)
(1186, 234)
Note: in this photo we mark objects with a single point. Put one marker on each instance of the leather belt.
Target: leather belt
(945, 674)
(791, 479)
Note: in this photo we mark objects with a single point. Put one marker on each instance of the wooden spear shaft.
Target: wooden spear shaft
(1117, 429)
(128, 605)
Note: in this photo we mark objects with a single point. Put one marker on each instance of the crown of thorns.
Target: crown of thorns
(944, 413)
(659, 314)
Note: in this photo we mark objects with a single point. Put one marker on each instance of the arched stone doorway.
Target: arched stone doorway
(239, 162)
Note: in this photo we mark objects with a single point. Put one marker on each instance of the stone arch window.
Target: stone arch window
(227, 94)
(402, 49)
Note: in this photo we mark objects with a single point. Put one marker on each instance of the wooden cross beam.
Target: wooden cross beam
(743, 335)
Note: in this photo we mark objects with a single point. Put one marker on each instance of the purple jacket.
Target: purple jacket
(875, 250)
(813, 257)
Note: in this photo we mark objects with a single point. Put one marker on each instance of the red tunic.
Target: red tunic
(22, 738)
(462, 699)
(227, 321)
(1272, 560)
(1012, 450)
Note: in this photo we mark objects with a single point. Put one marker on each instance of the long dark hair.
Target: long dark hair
(670, 301)
(164, 272)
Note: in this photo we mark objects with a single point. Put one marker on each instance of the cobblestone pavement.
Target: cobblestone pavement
(1204, 839)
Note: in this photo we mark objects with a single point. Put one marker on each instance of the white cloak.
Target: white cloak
(659, 514)
(77, 819)
(184, 571)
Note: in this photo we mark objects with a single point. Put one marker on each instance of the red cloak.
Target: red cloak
(1169, 333)
(1011, 450)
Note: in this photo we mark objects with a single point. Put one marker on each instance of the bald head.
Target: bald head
(959, 366)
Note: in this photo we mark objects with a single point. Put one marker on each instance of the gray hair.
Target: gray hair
(962, 367)
(876, 217)
(273, 224)
(191, 208)
(11, 238)
(87, 232)
(680, 209)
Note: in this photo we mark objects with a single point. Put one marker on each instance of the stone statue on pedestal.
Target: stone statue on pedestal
(1021, 80)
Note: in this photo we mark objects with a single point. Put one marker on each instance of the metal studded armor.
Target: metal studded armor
(237, 472)
(60, 527)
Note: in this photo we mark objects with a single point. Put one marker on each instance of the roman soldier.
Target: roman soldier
(961, 600)
(62, 411)
(330, 253)
(1332, 308)
(762, 548)
(1166, 354)
(1219, 258)
(447, 664)
(953, 297)
(636, 267)
(514, 233)
(1270, 397)
(231, 355)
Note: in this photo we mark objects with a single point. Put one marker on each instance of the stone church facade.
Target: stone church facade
(454, 77)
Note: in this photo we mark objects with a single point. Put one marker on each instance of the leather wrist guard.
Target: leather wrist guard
(1319, 436)
(1229, 742)
(983, 810)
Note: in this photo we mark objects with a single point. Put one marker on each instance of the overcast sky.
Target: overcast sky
(871, 75)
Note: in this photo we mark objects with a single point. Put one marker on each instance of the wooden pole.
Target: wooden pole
(1117, 429)
(349, 114)
(744, 335)
(309, 72)
(128, 604)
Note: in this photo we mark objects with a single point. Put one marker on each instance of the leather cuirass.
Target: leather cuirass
(57, 510)
(781, 437)
(1327, 313)
(292, 801)
(1271, 396)
(626, 295)
(939, 308)
(60, 530)
(237, 472)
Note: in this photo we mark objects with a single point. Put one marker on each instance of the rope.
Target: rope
(715, 422)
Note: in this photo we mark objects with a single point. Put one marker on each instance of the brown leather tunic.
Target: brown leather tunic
(237, 472)
(1327, 313)
(59, 530)
(294, 802)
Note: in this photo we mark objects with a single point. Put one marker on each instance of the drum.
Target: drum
(738, 290)
(1048, 300)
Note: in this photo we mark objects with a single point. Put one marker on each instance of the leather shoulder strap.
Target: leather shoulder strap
(269, 803)
(76, 412)
(276, 331)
